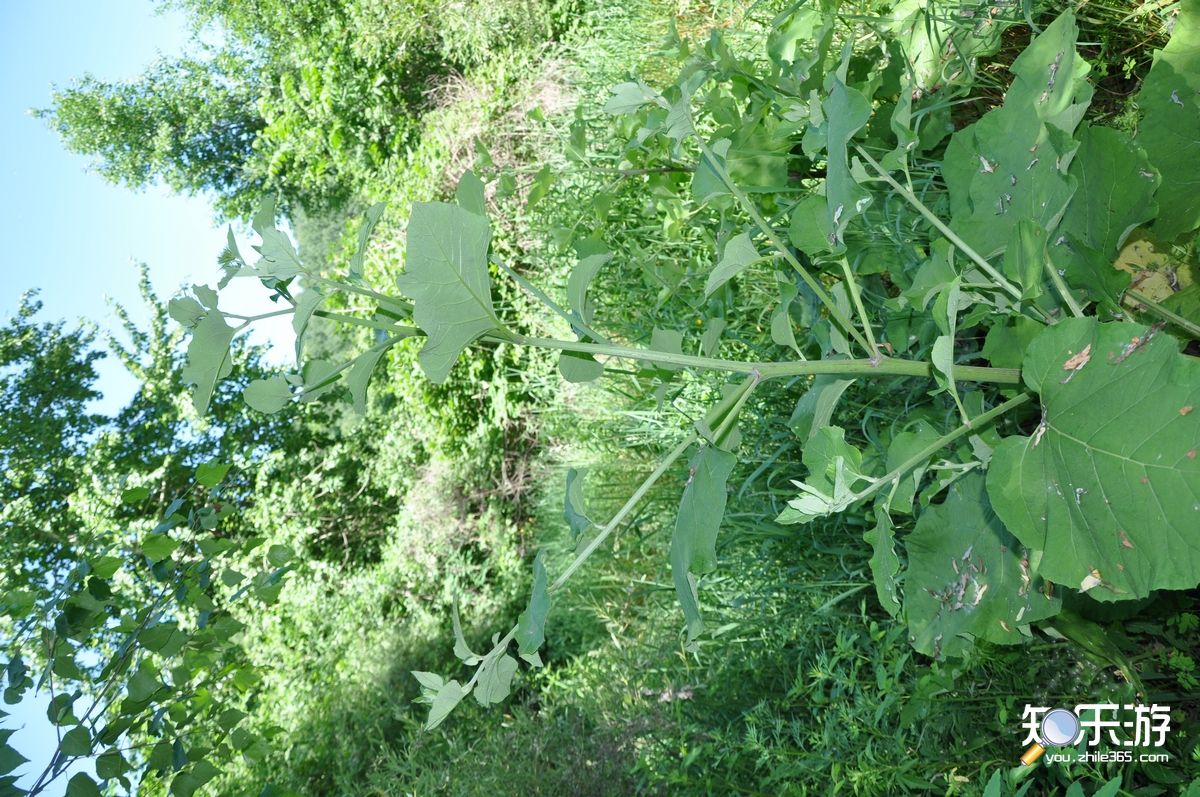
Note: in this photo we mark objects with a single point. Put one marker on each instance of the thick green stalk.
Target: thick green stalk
(1061, 286)
(937, 445)
(624, 511)
(886, 366)
(856, 296)
(599, 539)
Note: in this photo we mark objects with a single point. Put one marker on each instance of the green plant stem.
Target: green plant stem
(1167, 315)
(598, 540)
(941, 226)
(624, 511)
(937, 445)
(771, 370)
(361, 322)
(344, 286)
(335, 374)
(769, 231)
(1061, 287)
(541, 296)
(856, 297)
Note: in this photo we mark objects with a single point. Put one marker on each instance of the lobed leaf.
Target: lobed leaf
(447, 278)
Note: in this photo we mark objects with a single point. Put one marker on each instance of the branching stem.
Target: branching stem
(770, 370)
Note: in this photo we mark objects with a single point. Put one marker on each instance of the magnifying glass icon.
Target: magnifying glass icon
(1060, 728)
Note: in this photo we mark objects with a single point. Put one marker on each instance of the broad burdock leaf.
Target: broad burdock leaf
(885, 565)
(1108, 486)
(446, 275)
(279, 257)
(531, 625)
(629, 97)
(370, 219)
(1170, 128)
(429, 681)
(739, 254)
(449, 696)
(495, 679)
(573, 507)
(1115, 195)
(360, 374)
(1116, 189)
(208, 358)
(1012, 164)
(693, 545)
(268, 395)
(809, 228)
(186, 310)
(967, 577)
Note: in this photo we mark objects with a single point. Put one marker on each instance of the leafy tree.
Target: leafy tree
(190, 123)
(47, 373)
(306, 99)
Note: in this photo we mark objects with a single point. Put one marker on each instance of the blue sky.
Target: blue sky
(70, 233)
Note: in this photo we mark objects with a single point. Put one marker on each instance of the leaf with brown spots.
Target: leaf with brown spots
(1113, 485)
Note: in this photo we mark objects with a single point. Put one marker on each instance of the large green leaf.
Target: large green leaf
(1012, 164)
(1116, 190)
(1170, 127)
(448, 696)
(1108, 486)
(967, 576)
(574, 509)
(495, 679)
(846, 111)
(531, 625)
(279, 257)
(447, 278)
(693, 545)
(208, 360)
